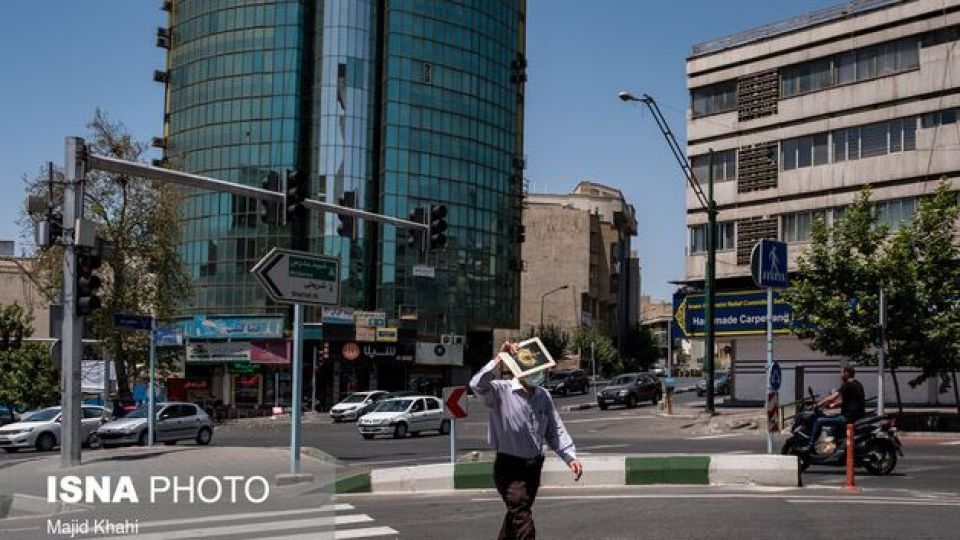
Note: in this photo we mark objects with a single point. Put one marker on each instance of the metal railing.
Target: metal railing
(813, 18)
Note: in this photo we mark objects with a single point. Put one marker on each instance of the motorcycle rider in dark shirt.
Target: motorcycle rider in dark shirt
(851, 401)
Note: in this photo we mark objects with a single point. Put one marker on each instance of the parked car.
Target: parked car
(6, 416)
(721, 384)
(565, 382)
(400, 416)
(630, 389)
(356, 405)
(176, 421)
(41, 429)
(659, 371)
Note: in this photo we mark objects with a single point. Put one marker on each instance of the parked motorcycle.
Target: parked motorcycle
(875, 441)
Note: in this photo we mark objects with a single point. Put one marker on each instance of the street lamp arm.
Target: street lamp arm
(675, 149)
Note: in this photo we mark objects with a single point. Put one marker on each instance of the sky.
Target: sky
(63, 60)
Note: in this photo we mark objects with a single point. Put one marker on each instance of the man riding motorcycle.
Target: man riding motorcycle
(850, 398)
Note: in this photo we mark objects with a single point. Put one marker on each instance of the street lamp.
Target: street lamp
(544, 295)
(708, 204)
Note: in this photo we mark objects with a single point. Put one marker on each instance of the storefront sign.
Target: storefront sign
(401, 352)
(252, 327)
(218, 352)
(195, 384)
(370, 318)
(387, 334)
(337, 315)
(270, 352)
(351, 351)
(737, 314)
(241, 367)
(168, 336)
(366, 333)
(438, 354)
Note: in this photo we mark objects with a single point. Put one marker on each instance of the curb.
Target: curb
(601, 471)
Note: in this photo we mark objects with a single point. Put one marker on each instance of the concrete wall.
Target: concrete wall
(16, 287)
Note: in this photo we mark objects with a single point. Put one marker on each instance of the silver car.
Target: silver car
(356, 405)
(41, 429)
(400, 416)
(175, 422)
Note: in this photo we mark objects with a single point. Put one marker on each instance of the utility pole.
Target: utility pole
(72, 341)
(708, 204)
(709, 290)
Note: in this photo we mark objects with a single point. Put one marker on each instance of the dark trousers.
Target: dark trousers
(517, 480)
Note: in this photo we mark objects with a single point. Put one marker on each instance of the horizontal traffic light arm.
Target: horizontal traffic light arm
(169, 176)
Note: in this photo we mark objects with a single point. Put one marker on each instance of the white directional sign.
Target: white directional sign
(298, 277)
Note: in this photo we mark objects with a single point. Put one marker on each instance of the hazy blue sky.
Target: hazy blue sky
(64, 59)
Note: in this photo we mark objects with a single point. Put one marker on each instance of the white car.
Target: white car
(400, 416)
(41, 429)
(356, 405)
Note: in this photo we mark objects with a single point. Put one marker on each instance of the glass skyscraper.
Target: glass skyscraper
(386, 104)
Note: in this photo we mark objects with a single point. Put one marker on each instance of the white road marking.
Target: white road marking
(424, 460)
(606, 419)
(951, 443)
(247, 528)
(353, 533)
(877, 501)
(811, 499)
(604, 446)
(249, 515)
(719, 436)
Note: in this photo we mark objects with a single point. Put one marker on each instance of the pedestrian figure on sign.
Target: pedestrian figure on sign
(522, 418)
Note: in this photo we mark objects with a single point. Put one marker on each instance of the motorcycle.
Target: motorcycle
(875, 441)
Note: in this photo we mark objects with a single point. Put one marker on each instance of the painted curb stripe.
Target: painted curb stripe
(668, 470)
(6, 501)
(473, 476)
(358, 483)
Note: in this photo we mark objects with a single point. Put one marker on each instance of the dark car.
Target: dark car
(567, 382)
(721, 384)
(630, 389)
(6, 416)
(401, 393)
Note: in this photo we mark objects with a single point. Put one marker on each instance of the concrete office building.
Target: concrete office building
(801, 115)
(578, 260)
(387, 106)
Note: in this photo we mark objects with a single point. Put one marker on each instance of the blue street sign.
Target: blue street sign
(768, 264)
(132, 322)
(776, 377)
(168, 337)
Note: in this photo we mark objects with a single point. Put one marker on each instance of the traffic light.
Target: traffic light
(270, 210)
(438, 225)
(87, 284)
(294, 194)
(415, 236)
(347, 223)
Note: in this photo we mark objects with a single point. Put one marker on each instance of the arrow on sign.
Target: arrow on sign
(298, 277)
(452, 401)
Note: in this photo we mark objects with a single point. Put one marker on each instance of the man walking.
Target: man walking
(522, 418)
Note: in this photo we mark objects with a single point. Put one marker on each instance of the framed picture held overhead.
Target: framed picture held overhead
(531, 357)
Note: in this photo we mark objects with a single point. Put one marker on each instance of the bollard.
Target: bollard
(851, 482)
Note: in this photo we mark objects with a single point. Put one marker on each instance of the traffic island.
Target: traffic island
(599, 471)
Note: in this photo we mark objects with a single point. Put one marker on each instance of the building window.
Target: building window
(874, 140)
(726, 237)
(896, 212)
(713, 99)
(724, 166)
(938, 118)
(799, 226)
(805, 151)
(853, 66)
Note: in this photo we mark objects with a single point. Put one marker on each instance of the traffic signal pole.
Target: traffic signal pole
(72, 344)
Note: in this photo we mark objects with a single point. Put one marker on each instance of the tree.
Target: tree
(28, 377)
(607, 358)
(835, 292)
(921, 280)
(143, 272)
(553, 338)
(640, 349)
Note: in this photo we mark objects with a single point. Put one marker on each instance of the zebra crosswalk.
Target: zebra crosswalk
(336, 521)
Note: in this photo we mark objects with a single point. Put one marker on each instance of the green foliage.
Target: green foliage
(553, 338)
(640, 349)
(144, 273)
(28, 378)
(607, 358)
(835, 292)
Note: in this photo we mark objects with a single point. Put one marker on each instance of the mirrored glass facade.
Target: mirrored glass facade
(394, 104)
